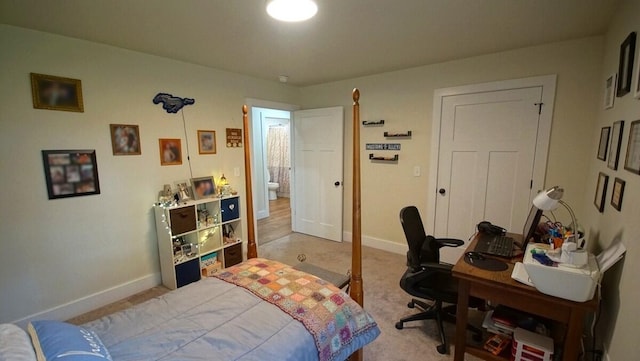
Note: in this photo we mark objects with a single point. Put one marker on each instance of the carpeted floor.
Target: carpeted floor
(383, 297)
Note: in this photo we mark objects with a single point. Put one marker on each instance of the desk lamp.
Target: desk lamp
(549, 199)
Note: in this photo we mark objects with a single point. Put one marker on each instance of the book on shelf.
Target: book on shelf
(496, 328)
(507, 319)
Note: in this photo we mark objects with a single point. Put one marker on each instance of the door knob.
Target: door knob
(337, 183)
(442, 191)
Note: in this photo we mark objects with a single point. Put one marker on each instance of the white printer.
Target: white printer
(564, 280)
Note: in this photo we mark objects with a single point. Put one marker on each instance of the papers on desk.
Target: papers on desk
(610, 256)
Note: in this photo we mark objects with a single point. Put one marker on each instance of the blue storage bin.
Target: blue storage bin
(230, 209)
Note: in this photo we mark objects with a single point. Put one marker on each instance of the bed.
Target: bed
(257, 310)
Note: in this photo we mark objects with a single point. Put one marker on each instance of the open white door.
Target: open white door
(317, 172)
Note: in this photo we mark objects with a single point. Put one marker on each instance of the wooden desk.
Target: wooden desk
(500, 288)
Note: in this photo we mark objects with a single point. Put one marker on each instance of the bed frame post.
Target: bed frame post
(355, 290)
(356, 253)
(252, 250)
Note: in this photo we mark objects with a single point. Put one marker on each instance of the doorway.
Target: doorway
(271, 164)
(489, 151)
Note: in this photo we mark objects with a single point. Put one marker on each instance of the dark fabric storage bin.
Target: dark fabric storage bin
(188, 272)
(229, 209)
(183, 220)
(233, 255)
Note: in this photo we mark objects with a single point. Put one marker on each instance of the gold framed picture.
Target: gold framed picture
(207, 141)
(125, 139)
(56, 93)
(170, 151)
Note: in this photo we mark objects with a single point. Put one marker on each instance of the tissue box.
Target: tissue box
(564, 281)
(210, 270)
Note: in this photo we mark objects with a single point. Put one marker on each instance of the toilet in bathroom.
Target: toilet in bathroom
(273, 187)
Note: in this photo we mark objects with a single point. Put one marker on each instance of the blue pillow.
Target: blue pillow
(55, 340)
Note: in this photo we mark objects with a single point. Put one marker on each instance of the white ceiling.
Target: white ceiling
(347, 38)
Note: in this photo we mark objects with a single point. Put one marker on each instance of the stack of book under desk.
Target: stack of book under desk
(502, 321)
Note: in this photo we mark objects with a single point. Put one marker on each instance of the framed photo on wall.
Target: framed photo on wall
(625, 64)
(604, 143)
(616, 193)
(56, 93)
(636, 88)
(610, 90)
(632, 160)
(614, 145)
(125, 139)
(70, 173)
(207, 141)
(601, 191)
(170, 151)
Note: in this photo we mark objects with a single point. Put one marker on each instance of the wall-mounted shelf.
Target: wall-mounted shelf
(381, 158)
(397, 135)
(373, 123)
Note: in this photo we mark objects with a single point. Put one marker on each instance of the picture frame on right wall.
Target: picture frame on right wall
(632, 159)
(601, 191)
(636, 88)
(625, 64)
(614, 145)
(610, 90)
(617, 193)
(604, 143)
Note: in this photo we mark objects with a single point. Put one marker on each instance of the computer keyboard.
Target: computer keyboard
(501, 246)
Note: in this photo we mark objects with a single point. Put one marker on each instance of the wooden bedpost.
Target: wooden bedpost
(252, 250)
(356, 253)
(355, 290)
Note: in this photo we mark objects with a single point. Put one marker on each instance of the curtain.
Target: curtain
(278, 161)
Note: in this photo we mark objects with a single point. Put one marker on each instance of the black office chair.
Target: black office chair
(427, 278)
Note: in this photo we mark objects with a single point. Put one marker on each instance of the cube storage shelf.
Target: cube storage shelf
(195, 234)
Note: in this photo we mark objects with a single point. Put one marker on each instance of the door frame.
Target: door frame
(259, 103)
(548, 84)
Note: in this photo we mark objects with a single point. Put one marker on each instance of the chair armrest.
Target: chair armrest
(438, 267)
(449, 242)
(427, 270)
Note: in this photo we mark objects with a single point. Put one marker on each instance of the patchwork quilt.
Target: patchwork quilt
(333, 318)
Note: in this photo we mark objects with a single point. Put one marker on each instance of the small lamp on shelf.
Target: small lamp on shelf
(225, 188)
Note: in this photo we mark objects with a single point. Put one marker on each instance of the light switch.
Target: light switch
(416, 171)
(236, 172)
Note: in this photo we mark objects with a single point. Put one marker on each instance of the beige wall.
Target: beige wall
(59, 251)
(621, 285)
(404, 99)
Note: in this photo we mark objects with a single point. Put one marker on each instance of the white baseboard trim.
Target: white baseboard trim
(93, 301)
(382, 244)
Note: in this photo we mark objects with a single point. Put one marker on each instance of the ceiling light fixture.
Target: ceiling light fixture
(292, 10)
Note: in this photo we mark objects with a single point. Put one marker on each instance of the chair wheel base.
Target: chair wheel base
(399, 325)
(442, 349)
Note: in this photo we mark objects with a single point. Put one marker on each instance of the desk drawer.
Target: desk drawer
(183, 220)
(233, 255)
